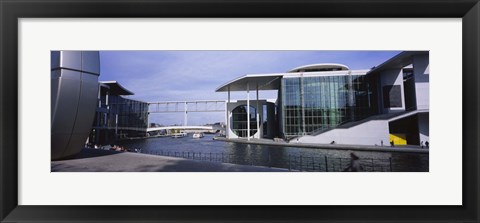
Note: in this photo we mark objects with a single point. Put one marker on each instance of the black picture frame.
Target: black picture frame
(11, 11)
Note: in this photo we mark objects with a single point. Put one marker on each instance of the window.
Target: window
(392, 96)
(240, 123)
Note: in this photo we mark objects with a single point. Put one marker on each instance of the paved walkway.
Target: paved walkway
(269, 142)
(95, 160)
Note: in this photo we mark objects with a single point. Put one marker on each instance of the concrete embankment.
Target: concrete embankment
(406, 149)
(95, 160)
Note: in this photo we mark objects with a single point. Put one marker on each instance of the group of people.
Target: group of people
(108, 147)
(123, 149)
(118, 148)
(426, 144)
(392, 144)
(92, 146)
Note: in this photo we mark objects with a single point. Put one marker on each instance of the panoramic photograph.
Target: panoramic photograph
(239, 111)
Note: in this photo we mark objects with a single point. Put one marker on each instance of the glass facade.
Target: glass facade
(118, 117)
(317, 103)
(131, 113)
(239, 121)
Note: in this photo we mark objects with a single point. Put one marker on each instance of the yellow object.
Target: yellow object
(398, 139)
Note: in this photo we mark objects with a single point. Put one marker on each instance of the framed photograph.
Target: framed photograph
(239, 111)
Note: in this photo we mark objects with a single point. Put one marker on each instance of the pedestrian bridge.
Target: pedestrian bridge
(193, 128)
(186, 106)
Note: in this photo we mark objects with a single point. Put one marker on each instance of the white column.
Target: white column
(258, 116)
(185, 116)
(99, 97)
(227, 119)
(302, 101)
(106, 99)
(116, 125)
(148, 116)
(248, 111)
(350, 93)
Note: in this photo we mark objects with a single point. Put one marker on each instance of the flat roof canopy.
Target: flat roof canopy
(399, 61)
(320, 66)
(116, 88)
(272, 81)
(264, 82)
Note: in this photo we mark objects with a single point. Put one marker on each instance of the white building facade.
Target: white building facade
(329, 103)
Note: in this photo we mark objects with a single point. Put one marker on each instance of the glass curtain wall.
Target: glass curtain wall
(132, 117)
(239, 121)
(327, 102)
(292, 107)
(131, 113)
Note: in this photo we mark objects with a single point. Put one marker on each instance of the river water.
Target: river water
(294, 158)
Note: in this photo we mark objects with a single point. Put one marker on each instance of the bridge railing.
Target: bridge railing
(187, 106)
(291, 162)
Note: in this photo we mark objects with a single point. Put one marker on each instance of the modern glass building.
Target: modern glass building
(117, 116)
(132, 114)
(317, 103)
(324, 103)
(78, 100)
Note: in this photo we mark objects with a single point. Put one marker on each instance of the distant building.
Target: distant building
(325, 103)
(117, 116)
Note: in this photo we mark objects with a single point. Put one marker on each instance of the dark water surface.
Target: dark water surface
(304, 159)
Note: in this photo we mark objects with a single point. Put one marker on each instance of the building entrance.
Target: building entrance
(406, 129)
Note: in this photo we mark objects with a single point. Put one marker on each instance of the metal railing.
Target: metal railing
(290, 162)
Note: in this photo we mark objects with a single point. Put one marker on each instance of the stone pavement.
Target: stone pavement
(96, 160)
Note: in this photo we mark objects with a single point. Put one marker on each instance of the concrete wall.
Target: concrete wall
(368, 133)
(280, 108)
(423, 127)
(74, 90)
(374, 131)
(421, 70)
(391, 77)
(271, 121)
(253, 103)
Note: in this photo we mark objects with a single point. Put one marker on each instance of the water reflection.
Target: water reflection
(274, 156)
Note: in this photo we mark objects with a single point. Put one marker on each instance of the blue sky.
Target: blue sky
(194, 75)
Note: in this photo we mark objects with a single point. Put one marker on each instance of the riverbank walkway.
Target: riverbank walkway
(97, 160)
(270, 142)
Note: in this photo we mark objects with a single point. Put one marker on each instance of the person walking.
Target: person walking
(355, 165)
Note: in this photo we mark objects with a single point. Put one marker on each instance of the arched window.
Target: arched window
(239, 121)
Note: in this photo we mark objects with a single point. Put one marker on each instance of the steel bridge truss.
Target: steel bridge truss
(187, 106)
